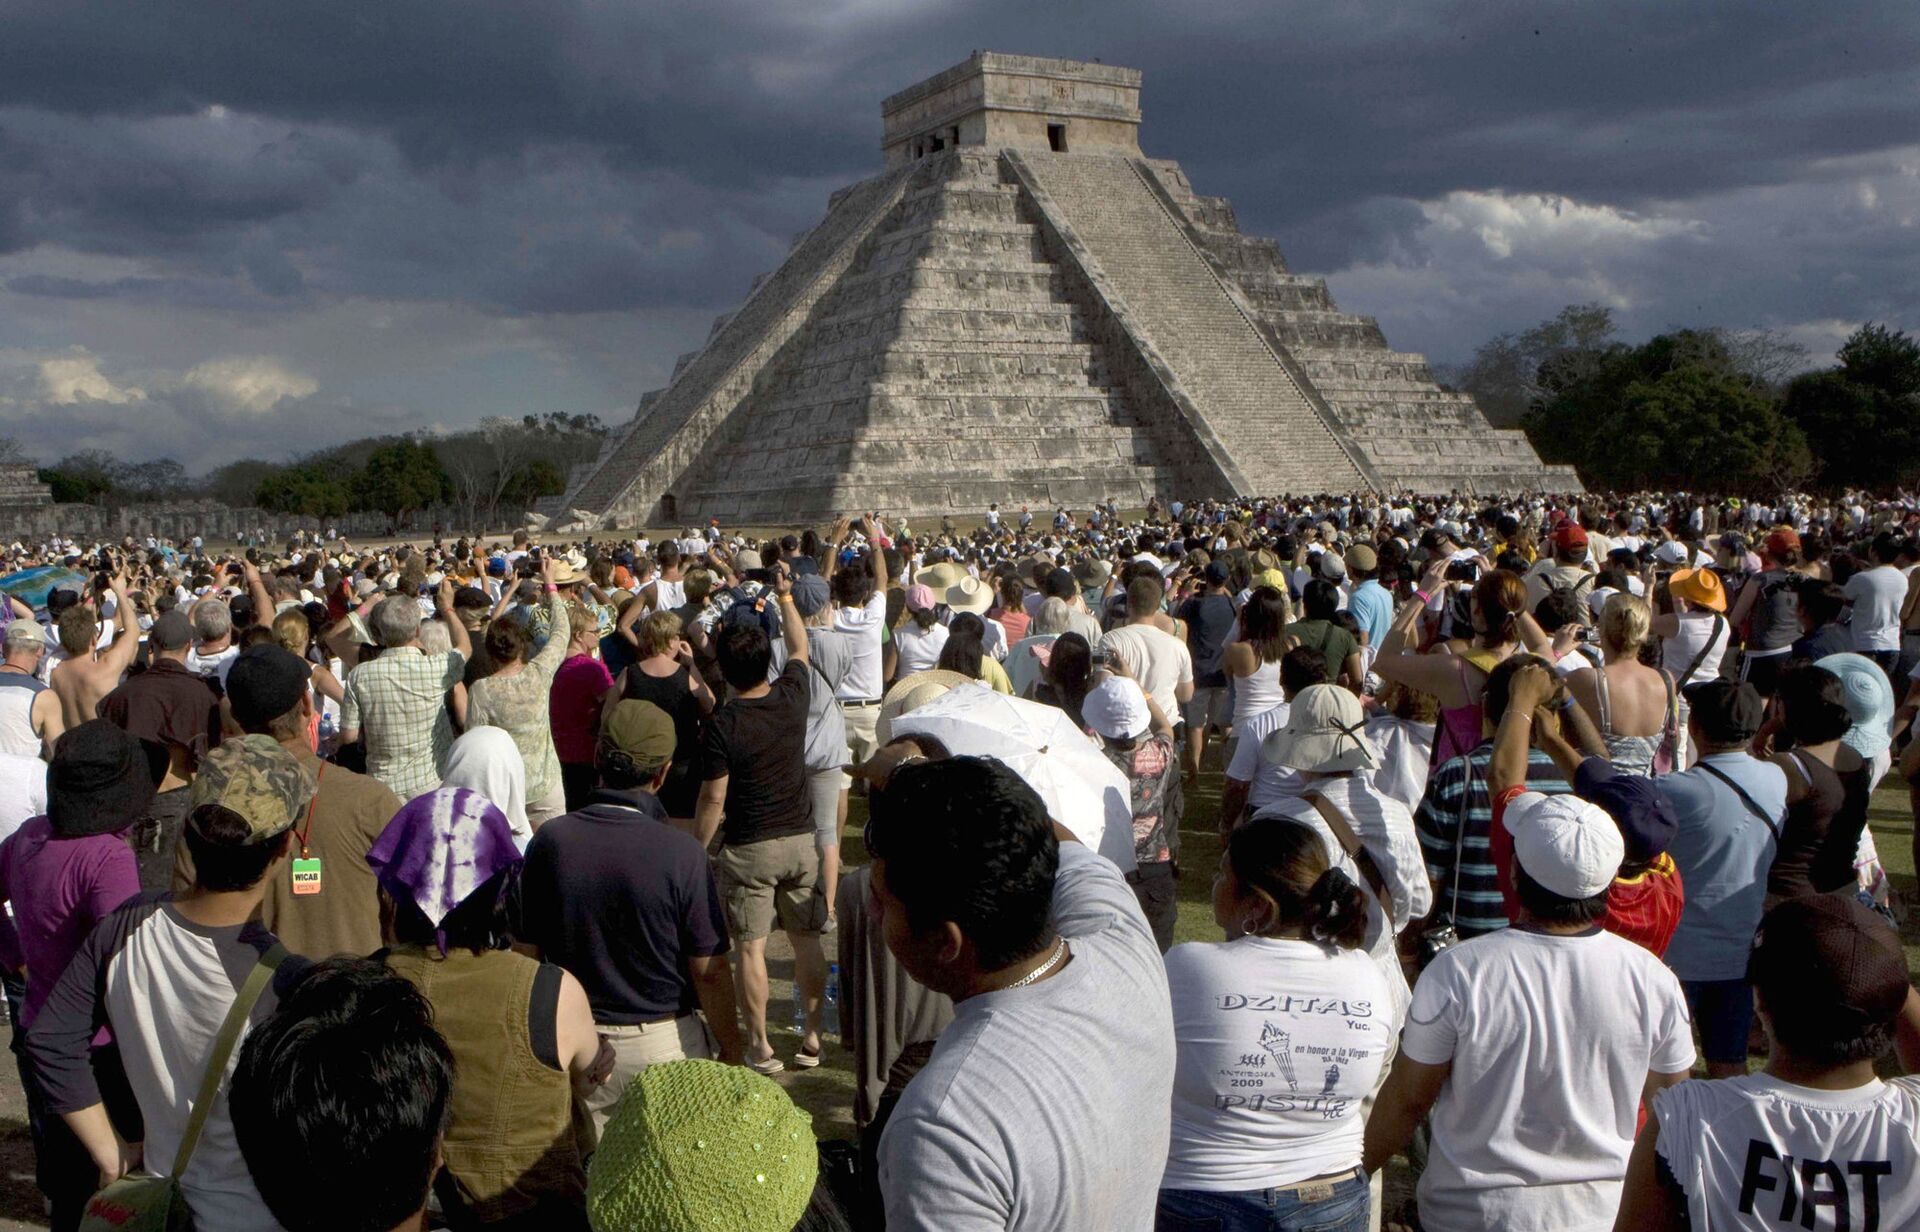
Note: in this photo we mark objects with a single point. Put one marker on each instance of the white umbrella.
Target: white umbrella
(1082, 790)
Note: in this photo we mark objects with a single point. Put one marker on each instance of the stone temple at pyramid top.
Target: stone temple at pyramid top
(1022, 307)
(1015, 102)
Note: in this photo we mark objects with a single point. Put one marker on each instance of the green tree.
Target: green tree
(1505, 375)
(534, 480)
(87, 477)
(400, 478)
(1676, 411)
(239, 483)
(1862, 417)
(158, 480)
(308, 490)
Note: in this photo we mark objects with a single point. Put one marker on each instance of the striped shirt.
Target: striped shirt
(1458, 807)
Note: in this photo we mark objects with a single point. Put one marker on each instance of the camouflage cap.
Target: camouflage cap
(258, 780)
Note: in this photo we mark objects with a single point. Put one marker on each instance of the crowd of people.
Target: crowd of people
(376, 888)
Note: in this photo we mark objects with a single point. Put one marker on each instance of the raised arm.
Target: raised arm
(793, 627)
(456, 632)
(559, 631)
(119, 657)
(257, 591)
(1513, 739)
(871, 529)
(1438, 674)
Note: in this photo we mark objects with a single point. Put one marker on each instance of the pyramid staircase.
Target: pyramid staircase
(947, 367)
(1415, 435)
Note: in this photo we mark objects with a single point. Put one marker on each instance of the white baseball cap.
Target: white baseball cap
(1672, 552)
(1568, 845)
(1117, 709)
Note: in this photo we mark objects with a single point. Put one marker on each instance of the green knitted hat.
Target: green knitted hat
(697, 1145)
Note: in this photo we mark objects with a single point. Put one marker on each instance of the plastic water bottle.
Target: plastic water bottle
(829, 1009)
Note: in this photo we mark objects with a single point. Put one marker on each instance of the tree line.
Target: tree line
(1705, 409)
(486, 474)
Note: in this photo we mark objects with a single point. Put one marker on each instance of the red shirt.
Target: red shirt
(1643, 909)
(574, 707)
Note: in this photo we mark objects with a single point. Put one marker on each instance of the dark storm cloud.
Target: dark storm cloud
(539, 160)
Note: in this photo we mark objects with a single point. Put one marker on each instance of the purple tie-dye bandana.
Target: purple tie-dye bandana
(441, 847)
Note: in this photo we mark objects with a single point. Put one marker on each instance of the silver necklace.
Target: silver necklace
(1059, 952)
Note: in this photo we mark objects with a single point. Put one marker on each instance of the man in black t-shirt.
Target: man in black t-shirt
(1209, 618)
(754, 794)
(627, 903)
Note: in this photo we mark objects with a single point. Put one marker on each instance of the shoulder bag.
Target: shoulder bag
(1361, 857)
(146, 1203)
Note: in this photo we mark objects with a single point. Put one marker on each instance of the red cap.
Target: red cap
(1782, 541)
(1569, 535)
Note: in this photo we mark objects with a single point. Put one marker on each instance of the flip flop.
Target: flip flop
(768, 1067)
(807, 1059)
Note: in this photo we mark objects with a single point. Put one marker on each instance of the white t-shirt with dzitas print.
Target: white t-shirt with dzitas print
(1756, 1152)
(1279, 1043)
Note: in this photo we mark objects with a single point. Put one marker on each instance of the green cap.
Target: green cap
(257, 779)
(696, 1145)
(642, 731)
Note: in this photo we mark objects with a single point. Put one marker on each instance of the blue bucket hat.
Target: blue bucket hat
(1869, 701)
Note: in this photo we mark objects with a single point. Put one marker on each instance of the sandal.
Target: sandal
(769, 1067)
(807, 1058)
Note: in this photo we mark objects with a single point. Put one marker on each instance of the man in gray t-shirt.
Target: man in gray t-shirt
(1047, 1102)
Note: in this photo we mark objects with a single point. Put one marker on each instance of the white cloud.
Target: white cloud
(75, 377)
(251, 385)
(1811, 258)
(1537, 225)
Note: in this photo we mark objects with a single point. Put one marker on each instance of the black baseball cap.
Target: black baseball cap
(264, 683)
(1728, 712)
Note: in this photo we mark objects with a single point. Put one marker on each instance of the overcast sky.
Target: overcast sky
(251, 229)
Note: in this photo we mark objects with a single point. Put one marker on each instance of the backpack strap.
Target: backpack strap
(1772, 825)
(1719, 624)
(242, 1008)
(1361, 857)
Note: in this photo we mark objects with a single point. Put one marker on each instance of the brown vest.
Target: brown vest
(512, 1142)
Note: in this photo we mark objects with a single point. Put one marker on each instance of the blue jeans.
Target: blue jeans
(1265, 1210)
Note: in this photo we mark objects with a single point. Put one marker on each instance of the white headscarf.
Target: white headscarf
(486, 760)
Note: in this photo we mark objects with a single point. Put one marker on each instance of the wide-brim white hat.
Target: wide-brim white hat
(1324, 734)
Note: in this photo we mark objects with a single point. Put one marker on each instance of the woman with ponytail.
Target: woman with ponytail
(1283, 1031)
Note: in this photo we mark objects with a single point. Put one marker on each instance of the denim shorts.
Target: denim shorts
(1346, 1209)
(1723, 1012)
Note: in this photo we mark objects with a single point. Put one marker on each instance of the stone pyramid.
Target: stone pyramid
(1022, 308)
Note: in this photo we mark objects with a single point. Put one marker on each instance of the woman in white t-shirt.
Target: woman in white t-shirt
(921, 637)
(1282, 1031)
(1695, 634)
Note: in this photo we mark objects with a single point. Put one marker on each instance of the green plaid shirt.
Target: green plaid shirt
(399, 704)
